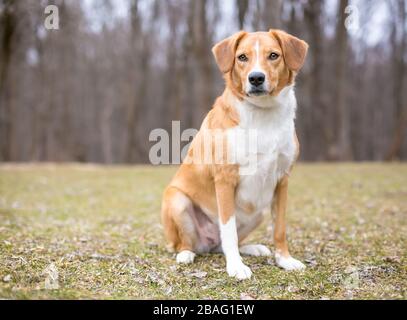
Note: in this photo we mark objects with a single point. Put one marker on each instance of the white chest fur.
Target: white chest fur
(271, 119)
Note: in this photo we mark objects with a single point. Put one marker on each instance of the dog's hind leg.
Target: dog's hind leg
(179, 227)
(252, 249)
(257, 250)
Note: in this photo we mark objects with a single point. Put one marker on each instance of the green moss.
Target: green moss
(100, 227)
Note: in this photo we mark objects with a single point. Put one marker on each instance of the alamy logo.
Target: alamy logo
(236, 146)
(52, 19)
(352, 20)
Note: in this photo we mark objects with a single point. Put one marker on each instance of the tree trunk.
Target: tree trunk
(139, 43)
(242, 6)
(399, 50)
(315, 121)
(202, 46)
(8, 28)
(340, 148)
(272, 10)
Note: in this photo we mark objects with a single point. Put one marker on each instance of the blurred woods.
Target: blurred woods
(94, 89)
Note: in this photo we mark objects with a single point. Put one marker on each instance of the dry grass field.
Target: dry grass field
(80, 232)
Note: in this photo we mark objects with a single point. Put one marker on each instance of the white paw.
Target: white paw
(238, 270)
(185, 257)
(257, 250)
(289, 263)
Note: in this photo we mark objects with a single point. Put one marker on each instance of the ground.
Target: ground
(71, 231)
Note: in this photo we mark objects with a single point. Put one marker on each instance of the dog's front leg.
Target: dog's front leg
(283, 257)
(225, 194)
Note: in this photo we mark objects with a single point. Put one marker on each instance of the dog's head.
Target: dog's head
(260, 64)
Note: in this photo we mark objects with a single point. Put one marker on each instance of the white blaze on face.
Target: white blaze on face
(257, 48)
(257, 67)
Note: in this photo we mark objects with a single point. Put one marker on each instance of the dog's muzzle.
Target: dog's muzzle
(257, 82)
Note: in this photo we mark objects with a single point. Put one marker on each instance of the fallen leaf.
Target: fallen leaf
(246, 296)
(198, 274)
(351, 269)
(393, 259)
(292, 289)
(155, 278)
(7, 278)
(51, 277)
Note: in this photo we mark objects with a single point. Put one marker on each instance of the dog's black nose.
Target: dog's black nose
(257, 78)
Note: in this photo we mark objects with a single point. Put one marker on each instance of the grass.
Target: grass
(79, 232)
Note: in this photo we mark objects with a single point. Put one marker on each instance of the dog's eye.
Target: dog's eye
(274, 56)
(243, 58)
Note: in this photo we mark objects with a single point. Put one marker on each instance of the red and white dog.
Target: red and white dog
(212, 207)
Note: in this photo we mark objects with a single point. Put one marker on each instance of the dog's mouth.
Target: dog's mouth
(257, 93)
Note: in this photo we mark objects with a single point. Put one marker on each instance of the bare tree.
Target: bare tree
(399, 42)
(140, 62)
(94, 89)
(272, 10)
(8, 34)
(316, 116)
(341, 148)
(242, 7)
(202, 43)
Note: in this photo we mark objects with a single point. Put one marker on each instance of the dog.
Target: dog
(213, 207)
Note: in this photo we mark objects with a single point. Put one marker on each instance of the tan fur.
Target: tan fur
(212, 186)
(279, 208)
(225, 50)
(294, 49)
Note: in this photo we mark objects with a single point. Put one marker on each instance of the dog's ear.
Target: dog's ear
(225, 50)
(294, 49)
